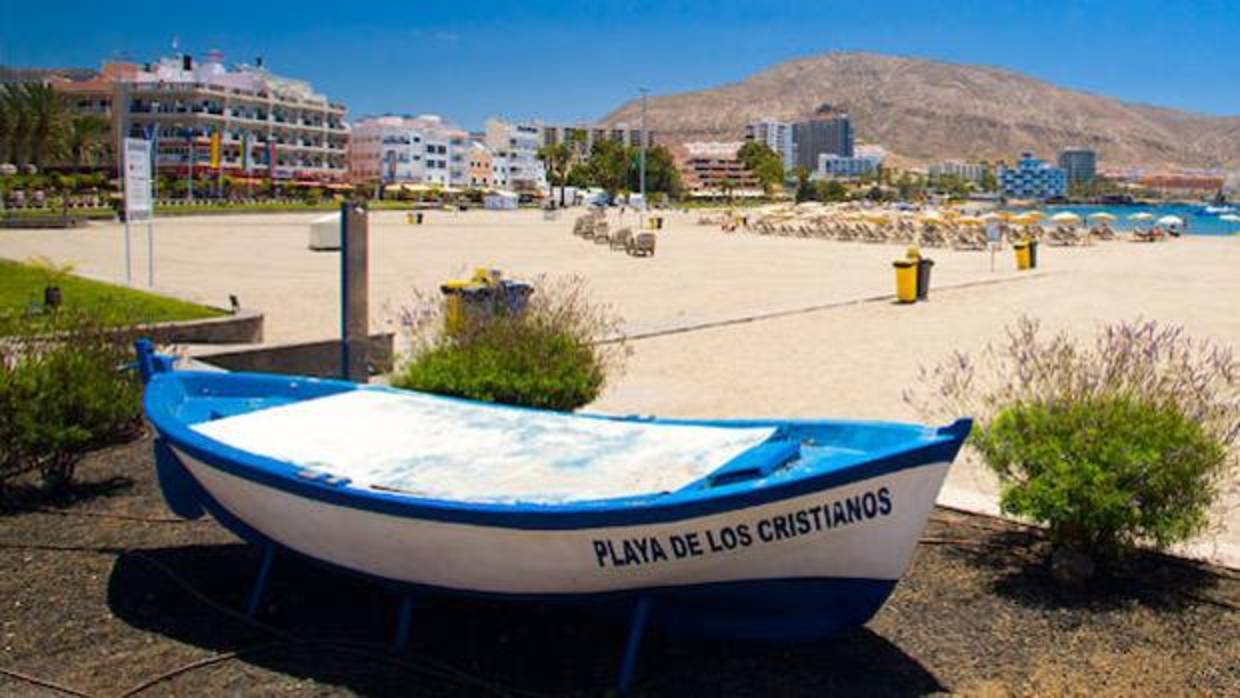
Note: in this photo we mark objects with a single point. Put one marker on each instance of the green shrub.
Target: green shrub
(1124, 442)
(61, 395)
(546, 357)
(1106, 471)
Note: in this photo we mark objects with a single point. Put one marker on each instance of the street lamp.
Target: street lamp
(642, 172)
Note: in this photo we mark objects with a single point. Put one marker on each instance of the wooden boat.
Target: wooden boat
(749, 528)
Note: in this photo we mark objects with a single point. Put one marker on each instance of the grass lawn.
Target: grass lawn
(21, 287)
(207, 208)
(98, 213)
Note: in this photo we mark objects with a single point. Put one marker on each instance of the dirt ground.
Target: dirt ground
(108, 595)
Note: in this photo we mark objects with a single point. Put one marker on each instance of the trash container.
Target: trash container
(454, 303)
(1022, 255)
(923, 278)
(658, 222)
(515, 296)
(906, 281)
(1033, 254)
(417, 218)
(409, 218)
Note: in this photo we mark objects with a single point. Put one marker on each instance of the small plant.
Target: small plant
(545, 357)
(61, 395)
(1125, 442)
(53, 275)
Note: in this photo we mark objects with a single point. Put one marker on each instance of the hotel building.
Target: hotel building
(481, 166)
(421, 149)
(1080, 164)
(969, 171)
(827, 131)
(586, 135)
(514, 147)
(1032, 179)
(265, 125)
(710, 168)
(776, 135)
(865, 162)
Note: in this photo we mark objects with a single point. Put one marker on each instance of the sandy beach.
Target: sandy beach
(773, 325)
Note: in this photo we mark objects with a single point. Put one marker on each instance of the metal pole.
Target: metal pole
(150, 249)
(642, 175)
(354, 291)
(128, 269)
(122, 134)
(190, 135)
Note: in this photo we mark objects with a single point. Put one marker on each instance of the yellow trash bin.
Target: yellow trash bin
(454, 304)
(1023, 258)
(409, 218)
(906, 281)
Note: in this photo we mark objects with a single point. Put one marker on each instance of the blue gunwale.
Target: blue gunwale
(165, 390)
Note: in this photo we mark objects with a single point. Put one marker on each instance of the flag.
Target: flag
(215, 150)
(271, 158)
(245, 153)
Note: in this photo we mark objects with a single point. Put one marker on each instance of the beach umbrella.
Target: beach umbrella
(932, 215)
(994, 216)
(1142, 216)
(970, 220)
(1170, 221)
(1027, 218)
(1065, 217)
(1102, 216)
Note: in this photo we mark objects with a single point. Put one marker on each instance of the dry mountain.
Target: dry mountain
(924, 110)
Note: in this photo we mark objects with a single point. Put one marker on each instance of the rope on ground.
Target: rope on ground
(433, 668)
(198, 664)
(959, 542)
(36, 681)
(109, 515)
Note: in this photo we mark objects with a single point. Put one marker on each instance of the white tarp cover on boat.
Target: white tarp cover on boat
(446, 449)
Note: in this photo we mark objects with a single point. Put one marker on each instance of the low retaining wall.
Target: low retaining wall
(320, 359)
(242, 327)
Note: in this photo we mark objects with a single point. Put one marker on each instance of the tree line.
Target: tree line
(611, 166)
(38, 127)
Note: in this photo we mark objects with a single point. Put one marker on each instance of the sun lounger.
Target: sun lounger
(642, 245)
(622, 238)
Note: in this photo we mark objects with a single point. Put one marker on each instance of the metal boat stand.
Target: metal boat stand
(264, 574)
(628, 664)
(401, 643)
(641, 612)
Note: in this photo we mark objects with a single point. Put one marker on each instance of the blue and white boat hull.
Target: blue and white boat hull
(773, 556)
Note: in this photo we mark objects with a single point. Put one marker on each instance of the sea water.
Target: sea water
(1197, 222)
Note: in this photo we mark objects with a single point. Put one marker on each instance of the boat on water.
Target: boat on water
(760, 528)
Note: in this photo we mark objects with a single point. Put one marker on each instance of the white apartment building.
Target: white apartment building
(866, 161)
(268, 126)
(970, 171)
(514, 149)
(777, 135)
(399, 149)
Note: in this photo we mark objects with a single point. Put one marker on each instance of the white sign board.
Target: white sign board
(137, 179)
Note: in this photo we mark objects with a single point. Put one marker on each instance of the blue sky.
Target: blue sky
(578, 60)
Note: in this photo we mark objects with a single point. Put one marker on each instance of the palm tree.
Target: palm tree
(556, 158)
(84, 137)
(15, 131)
(7, 119)
(48, 117)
